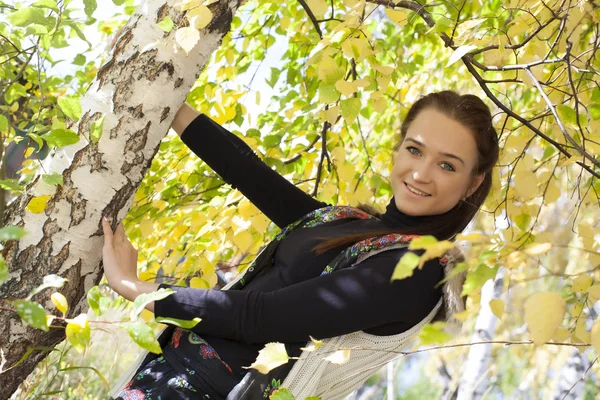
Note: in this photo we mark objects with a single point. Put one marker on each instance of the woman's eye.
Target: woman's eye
(450, 167)
(410, 150)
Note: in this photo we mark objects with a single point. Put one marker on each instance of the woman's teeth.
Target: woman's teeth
(415, 191)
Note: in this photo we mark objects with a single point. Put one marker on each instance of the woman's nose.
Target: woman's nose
(421, 174)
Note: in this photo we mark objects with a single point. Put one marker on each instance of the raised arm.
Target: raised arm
(236, 163)
(355, 298)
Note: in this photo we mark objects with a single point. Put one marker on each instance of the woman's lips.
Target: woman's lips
(413, 193)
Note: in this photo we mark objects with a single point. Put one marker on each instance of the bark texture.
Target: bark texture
(137, 92)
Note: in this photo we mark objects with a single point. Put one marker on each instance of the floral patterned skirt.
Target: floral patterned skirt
(189, 368)
(158, 381)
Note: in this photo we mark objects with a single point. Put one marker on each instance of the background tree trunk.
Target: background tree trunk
(473, 383)
(137, 91)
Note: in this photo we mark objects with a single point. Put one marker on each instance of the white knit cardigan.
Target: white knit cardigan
(311, 375)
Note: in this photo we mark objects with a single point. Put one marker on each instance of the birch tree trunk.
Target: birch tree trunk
(474, 382)
(137, 92)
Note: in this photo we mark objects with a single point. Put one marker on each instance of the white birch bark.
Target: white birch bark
(137, 91)
(473, 383)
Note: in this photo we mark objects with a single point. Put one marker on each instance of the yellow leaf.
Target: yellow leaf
(199, 283)
(318, 7)
(580, 331)
(332, 114)
(380, 104)
(526, 184)
(473, 238)
(458, 53)
(339, 357)
(462, 316)
(313, 345)
(271, 356)
(187, 38)
(37, 204)
(586, 232)
(561, 335)
(199, 17)
(497, 307)
(396, 16)
(329, 71)
(595, 336)
(243, 240)
(544, 313)
(146, 228)
(538, 248)
(594, 291)
(346, 172)
(345, 88)
(60, 302)
(581, 283)
(28, 152)
(406, 266)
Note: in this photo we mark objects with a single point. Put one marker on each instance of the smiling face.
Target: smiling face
(436, 160)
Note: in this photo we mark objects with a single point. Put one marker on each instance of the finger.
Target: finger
(108, 234)
(120, 233)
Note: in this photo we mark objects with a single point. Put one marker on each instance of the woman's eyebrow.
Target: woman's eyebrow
(449, 155)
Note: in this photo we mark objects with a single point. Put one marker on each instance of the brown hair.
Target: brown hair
(470, 111)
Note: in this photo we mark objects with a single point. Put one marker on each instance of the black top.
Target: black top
(291, 301)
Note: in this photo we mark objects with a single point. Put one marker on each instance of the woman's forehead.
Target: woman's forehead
(440, 133)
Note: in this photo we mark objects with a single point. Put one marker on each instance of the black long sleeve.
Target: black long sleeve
(355, 298)
(236, 163)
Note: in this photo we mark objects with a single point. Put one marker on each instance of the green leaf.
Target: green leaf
(272, 140)
(405, 267)
(25, 16)
(3, 124)
(51, 4)
(61, 137)
(567, 115)
(282, 394)
(51, 280)
(11, 233)
(522, 221)
(70, 106)
(118, 2)
(182, 323)
(142, 300)
(3, 270)
(36, 29)
(594, 111)
(11, 184)
(477, 277)
(93, 298)
(96, 129)
(53, 179)
(89, 7)
(78, 332)
(350, 109)
(32, 314)
(275, 73)
(143, 335)
(166, 24)
(328, 94)
(79, 60)
(329, 71)
(433, 333)
(37, 139)
(14, 91)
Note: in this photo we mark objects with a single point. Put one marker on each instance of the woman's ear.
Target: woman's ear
(477, 181)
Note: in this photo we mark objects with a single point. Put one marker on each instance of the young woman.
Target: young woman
(440, 177)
